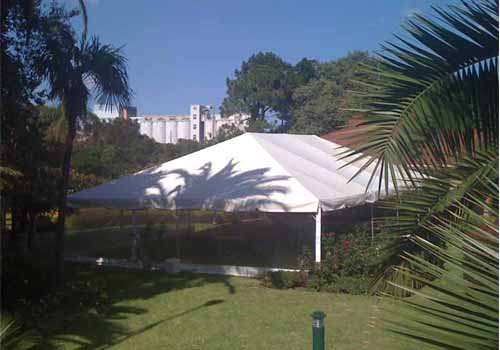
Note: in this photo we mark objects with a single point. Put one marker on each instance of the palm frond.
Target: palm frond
(442, 196)
(85, 19)
(437, 94)
(432, 125)
(458, 306)
(14, 337)
(106, 67)
(57, 57)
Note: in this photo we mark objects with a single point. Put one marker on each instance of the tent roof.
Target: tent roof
(265, 172)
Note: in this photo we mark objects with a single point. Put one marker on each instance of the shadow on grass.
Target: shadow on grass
(119, 335)
(101, 328)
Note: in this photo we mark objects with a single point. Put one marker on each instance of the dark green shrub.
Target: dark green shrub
(284, 279)
(350, 262)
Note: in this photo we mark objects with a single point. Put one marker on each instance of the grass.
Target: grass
(150, 310)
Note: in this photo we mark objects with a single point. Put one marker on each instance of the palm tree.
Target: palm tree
(431, 129)
(73, 72)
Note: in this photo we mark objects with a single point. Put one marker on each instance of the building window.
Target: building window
(194, 137)
(194, 126)
(209, 135)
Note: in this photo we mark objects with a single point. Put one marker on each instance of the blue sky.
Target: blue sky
(180, 52)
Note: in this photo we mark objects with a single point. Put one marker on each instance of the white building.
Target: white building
(104, 114)
(107, 115)
(202, 124)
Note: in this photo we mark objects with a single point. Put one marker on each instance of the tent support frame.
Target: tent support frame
(372, 228)
(317, 246)
(135, 239)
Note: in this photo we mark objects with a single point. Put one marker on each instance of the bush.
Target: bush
(284, 279)
(341, 284)
(350, 262)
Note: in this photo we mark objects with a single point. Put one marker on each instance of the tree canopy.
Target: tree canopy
(326, 101)
(308, 97)
(263, 85)
(117, 148)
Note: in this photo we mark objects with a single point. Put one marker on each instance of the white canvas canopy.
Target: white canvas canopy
(281, 173)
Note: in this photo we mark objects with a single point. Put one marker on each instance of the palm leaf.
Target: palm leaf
(458, 307)
(14, 337)
(106, 67)
(437, 96)
(431, 127)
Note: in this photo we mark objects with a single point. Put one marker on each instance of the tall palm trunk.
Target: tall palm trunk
(61, 217)
(3, 213)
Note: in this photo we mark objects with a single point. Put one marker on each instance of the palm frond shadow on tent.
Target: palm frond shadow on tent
(227, 188)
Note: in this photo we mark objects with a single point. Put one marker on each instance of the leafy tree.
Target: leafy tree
(114, 149)
(67, 67)
(57, 125)
(23, 147)
(432, 129)
(262, 85)
(326, 101)
(306, 71)
(225, 133)
(317, 108)
(37, 159)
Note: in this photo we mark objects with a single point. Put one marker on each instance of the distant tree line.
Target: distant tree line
(113, 149)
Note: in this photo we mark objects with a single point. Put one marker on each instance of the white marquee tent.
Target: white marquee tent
(280, 173)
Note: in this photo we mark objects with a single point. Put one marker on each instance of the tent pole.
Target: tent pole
(134, 237)
(371, 222)
(318, 235)
(178, 229)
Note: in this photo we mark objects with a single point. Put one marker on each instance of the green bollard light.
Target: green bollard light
(318, 328)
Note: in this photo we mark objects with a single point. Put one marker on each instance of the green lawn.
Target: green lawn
(149, 310)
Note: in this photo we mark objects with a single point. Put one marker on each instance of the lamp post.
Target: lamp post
(318, 330)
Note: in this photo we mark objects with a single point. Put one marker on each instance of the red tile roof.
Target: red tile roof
(347, 134)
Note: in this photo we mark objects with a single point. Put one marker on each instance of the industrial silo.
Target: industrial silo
(150, 128)
(158, 130)
(171, 130)
(146, 126)
(143, 126)
(162, 123)
(183, 128)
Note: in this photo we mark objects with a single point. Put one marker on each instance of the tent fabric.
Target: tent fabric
(251, 172)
